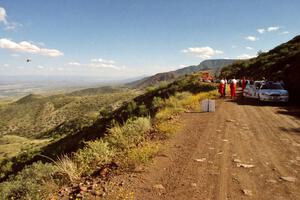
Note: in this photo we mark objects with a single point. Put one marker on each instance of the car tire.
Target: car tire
(260, 102)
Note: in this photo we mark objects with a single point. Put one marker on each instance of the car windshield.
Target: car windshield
(257, 85)
(271, 87)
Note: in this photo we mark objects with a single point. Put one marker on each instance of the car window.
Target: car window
(257, 85)
(271, 87)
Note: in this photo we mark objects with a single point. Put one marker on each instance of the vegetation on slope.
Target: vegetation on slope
(34, 122)
(280, 63)
(123, 146)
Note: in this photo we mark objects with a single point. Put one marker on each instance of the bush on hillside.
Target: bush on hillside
(37, 181)
(128, 135)
(94, 155)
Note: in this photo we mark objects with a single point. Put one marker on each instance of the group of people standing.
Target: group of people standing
(223, 85)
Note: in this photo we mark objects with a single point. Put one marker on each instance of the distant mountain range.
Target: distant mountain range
(214, 65)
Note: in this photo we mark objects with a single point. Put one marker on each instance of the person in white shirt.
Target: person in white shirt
(221, 87)
(233, 88)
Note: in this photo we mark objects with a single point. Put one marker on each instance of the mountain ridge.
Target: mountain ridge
(213, 65)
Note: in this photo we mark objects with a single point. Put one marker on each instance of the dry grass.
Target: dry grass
(68, 167)
(141, 155)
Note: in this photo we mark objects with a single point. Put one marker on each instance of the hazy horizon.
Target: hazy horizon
(133, 38)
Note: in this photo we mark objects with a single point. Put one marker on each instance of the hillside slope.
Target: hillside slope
(141, 105)
(33, 114)
(206, 65)
(280, 63)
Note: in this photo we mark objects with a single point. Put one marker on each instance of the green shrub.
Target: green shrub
(93, 155)
(143, 111)
(150, 89)
(158, 103)
(34, 182)
(128, 135)
(140, 155)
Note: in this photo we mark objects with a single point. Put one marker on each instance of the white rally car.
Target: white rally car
(272, 92)
(266, 91)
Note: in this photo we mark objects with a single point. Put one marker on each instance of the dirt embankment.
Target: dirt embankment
(242, 151)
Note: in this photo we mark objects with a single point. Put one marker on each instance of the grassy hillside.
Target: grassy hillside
(119, 140)
(280, 63)
(207, 65)
(32, 115)
(34, 121)
(142, 105)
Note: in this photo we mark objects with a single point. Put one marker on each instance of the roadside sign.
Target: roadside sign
(208, 105)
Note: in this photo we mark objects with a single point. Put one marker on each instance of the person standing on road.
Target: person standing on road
(221, 87)
(233, 88)
(244, 83)
(225, 84)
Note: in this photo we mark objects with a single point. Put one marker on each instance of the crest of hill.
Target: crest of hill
(213, 65)
(28, 98)
(98, 90)
(280, 63)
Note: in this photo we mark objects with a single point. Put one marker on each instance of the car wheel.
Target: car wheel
(260, 102)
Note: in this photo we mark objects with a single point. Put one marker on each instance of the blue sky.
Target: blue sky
(126, 38)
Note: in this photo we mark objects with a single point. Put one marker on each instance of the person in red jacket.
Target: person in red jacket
(244, 83)
(233, 88)
(222, 87)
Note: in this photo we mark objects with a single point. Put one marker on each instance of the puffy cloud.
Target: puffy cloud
(284, 32)
(245, 56)
(202, 52)
(251, 38)
(40, 67)
(3, 19)
(3, 15)
(261, 30)
(268, 29)
(100, 60)
(102, 63)
(273, 28)
(74, 63)
(28, 47)
(249, 48)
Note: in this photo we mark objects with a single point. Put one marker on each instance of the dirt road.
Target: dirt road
(242, 151)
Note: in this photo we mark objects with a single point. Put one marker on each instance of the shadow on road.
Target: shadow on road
(295, 130)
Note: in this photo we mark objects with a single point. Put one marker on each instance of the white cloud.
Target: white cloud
(74, 63)
(261, 30)
(60, 69)
(27, 47)
(40, 67)
(268, 29)
(245, 56)
(202, 52)
(251, 38)
(273, 28)
(284, 32)
(249, 48)
(102, 63)
(100, 60)
(6, 65)
(3, 19)
(3, 15)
